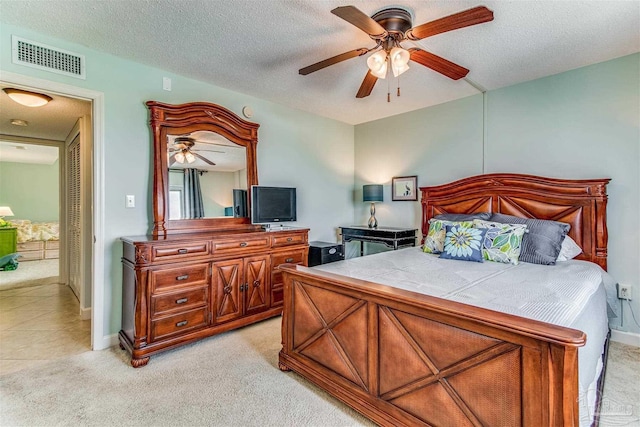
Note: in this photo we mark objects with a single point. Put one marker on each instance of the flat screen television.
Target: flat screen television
(272, 204)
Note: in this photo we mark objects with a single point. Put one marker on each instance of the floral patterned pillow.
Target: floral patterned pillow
(463, 243)
(434, 242)
(503, 242)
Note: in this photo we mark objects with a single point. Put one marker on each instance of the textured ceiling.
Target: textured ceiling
(256, 47)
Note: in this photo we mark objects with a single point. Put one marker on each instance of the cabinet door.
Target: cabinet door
(227, 276)
(256, 288)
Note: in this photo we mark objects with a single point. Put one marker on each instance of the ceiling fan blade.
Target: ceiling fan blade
(204, 159)
(333, 60)
(436, 63)
(367, 85)
(208, 151)
(474, 16)
(172, 159)
(356, 17)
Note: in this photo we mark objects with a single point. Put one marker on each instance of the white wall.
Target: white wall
(583, 123)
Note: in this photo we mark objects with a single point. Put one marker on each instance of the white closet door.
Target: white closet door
(74, 224)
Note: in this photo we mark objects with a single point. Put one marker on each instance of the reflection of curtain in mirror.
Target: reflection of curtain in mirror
(194, 207)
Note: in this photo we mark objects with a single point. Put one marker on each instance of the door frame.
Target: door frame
(99, 338)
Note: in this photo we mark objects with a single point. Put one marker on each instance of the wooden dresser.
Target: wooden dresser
(185, 287)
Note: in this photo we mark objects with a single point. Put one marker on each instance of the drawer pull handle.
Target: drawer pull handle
(243, 244)
(288, 260)
(183, 251)
(180, 324)
(227, 289)
(183, 277)
(289, 239)
(182, 300)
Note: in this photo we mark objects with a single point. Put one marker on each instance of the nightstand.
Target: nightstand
(392, 237)
(8, 240)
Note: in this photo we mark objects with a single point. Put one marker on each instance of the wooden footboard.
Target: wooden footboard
(402, 358)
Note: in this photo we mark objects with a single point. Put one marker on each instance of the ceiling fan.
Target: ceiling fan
(391, 26)
(183, 151)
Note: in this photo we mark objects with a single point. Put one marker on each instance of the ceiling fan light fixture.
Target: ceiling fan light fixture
(377, 64)
(190, 157)
(399, 59)
(179, 157)
(26, 98)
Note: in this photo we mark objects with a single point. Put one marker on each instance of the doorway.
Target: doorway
(92, 231)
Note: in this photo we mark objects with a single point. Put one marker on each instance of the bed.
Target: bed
(37, 240)
(401, 357)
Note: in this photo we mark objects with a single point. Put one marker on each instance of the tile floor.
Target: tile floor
(38, 324)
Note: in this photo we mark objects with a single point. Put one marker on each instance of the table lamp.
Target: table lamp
(5, 211)
(372, 193)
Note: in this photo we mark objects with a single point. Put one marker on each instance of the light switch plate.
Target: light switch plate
(166, 83)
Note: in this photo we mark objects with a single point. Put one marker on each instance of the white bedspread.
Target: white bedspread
(572, 294)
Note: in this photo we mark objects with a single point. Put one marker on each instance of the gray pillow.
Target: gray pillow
(542, 242)
(464, 217)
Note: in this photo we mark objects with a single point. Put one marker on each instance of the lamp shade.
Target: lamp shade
(372, 193)
(377, 63)
(5, 211)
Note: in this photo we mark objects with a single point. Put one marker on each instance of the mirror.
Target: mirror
(206, 170)
(204, 163)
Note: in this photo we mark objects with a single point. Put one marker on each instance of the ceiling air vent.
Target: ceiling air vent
(48, 58)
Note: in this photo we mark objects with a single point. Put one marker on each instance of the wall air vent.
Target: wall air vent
(47, 58)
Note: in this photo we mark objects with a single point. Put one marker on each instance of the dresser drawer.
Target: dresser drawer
(52, 244)
(51, 254)
(185, 250)
(238, 246)
(179, 276)
(294, 257)
(178, 323)
(183, 300)
(284, 240)
(31, 246)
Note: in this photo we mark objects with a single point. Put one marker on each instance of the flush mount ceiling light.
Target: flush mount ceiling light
(26, 98)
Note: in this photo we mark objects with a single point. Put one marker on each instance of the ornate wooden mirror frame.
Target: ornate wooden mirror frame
(169, 119)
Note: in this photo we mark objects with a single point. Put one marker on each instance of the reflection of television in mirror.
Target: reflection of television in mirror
(240, 204)
(272, 204)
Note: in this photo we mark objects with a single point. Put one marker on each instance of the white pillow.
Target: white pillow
(568, 250)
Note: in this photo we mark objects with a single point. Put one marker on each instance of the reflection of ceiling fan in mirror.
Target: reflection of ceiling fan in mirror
(183, 150)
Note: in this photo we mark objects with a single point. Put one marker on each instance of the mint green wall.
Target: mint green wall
(295, 148)
(583, 123)
(30, 190)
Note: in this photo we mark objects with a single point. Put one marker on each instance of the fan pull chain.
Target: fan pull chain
(398, 93)
(389, 89)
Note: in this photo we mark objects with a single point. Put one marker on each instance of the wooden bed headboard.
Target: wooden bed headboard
(580, 203)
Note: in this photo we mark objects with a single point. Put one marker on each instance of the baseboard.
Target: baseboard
(106, 342)
(85, 313)
(623, 337)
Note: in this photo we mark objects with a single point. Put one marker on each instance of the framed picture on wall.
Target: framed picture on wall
(404, 188)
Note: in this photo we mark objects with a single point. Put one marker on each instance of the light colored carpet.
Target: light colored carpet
(31, 273)
(227, 380)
